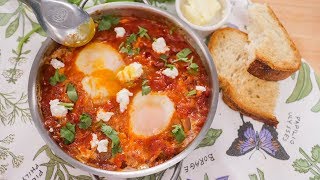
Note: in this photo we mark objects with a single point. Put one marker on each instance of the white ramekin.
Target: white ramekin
(205, 30)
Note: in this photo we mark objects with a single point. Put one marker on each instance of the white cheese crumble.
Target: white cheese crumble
(51, 130)
(56, 63)
(56, 109)
(120, 31)
(103, 146)
(171, 73)
(123, 99)
(160, 46)
(104, 116)
(201, 88)
(131, 72)
(94, 142)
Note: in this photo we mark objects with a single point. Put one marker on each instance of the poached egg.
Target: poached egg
(100, 63)
(150, 114)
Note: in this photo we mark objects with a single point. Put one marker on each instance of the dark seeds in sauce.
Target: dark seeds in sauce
(137, 152)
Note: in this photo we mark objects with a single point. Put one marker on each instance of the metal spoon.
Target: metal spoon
(65, 23)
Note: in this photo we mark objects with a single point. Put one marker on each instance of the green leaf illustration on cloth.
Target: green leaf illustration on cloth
(260, 175)
(19, 16)
(57, 167)
(316, 108)
(206, 177)
(2, 2)
(309, 164)
(303, 86)
(6, 153)
(13, 108)
(210, 138)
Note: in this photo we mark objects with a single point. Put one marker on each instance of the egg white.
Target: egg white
(100, 64)
(150, 114)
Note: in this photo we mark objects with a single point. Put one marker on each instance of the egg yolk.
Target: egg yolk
(100, 63)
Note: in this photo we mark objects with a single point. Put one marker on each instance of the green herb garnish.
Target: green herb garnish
(76, 2)
(57, 78)
(183, 56)
(69, 106)
(72, 93)
(193, 67)
(143, 32)
(113, 135)
(85, 121)
(146, 89)
(178, 133)
(184, 53)
(107, 22)
(127, 46)
(164, 58)
(192, 93)
(67, 132)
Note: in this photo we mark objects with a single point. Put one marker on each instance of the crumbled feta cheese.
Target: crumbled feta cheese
(51, 130)
(56, 109)
(103, 146)
(104, 116)
(94, 142)
(160, 46)
(171, 72)
(143, 166)
(56, 63)
(123, 99)
(131, 72)
(120, 31)
(201, 88)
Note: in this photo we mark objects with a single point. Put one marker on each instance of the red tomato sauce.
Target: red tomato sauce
(137, 151)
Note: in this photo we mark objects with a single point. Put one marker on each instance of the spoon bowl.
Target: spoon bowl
(65, 23)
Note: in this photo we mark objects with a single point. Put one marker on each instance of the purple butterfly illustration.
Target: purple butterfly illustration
(248, 139)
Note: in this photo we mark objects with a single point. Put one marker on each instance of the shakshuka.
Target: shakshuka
(133, 98)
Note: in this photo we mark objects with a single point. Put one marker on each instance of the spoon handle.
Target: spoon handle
(36, 8)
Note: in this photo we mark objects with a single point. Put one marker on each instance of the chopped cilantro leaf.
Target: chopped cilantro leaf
(164, 57)
(67, 132)
(107, 22)
(192, 93)
(194, 66)
(143, 32)
(57, 78)
(178, 133)
(172, 30)
(146, 89)
(183, 53)
(72, 93)
(127, 46)
(69, 106)
(131, 39)
(113, 135)
(85, 121)
(171, 66)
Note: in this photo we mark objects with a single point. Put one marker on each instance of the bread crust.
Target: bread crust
(262, 68)
(231, 100)
(230, 96)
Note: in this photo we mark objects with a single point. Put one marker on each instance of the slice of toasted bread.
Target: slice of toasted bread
(243, 92)
(272, 53)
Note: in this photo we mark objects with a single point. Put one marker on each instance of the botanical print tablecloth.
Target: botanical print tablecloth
(291, 151)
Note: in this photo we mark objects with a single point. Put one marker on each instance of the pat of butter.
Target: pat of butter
(201, 13)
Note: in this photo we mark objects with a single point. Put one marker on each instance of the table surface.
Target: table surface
(301, 18)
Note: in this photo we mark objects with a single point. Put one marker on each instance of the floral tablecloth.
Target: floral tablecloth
(296, 141)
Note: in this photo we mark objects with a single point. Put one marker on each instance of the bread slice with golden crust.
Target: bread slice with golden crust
(242, 91)
(272, 53)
